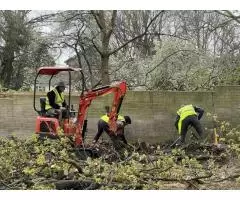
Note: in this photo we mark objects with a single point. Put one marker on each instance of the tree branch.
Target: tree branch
(96, 17)
(97, 49)
(229, 14)
(156, 168)
(175, 52)
(138, 36)
(114, 15)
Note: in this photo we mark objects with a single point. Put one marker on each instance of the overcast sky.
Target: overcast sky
(121, 5)
(64, 54)
(47, 6)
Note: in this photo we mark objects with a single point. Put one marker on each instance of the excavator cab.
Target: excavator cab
(48, 125)
(76, 123)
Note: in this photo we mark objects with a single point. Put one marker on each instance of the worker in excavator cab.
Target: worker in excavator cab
(188, 115)
(55, 102)
(122, 121)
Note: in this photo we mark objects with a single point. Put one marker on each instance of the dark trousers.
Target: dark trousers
(103, 127)
(194, 122)
(56, 113)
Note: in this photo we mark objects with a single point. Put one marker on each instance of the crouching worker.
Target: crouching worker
(188, 115)
(103, 126)
(55, 102)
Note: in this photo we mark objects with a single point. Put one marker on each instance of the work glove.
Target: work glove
(120, 124)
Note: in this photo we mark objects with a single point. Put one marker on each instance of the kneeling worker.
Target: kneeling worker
(103, 126)
(186, 116)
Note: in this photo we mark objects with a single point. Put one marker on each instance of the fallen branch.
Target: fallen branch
(227, 178)
(192, 185)
(184, 180)
(6, 185)
(74, 163)
(156, 168)
(76, 184)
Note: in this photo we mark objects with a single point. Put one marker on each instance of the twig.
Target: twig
(74, 163)
(111, 176)
(155, 168)
(185, 180)
(3, 183)
(227, 178)
(127, 159)
(192, 184)
(199, 177)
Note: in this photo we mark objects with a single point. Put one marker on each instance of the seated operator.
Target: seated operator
(55, 102)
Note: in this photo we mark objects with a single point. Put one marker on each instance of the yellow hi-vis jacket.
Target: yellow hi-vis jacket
(184, 112)
(106, 118)
(59, 99)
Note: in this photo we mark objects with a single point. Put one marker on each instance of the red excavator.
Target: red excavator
(76, 123)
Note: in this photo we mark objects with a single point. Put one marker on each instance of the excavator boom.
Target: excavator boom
(119, 91)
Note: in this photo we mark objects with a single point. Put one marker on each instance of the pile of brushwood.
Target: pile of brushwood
(54, 164)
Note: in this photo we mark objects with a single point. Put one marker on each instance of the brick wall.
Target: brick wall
(152, 113)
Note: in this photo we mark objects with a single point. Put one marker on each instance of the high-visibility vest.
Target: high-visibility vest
(59, 99)
(184, 112)
(106, 118)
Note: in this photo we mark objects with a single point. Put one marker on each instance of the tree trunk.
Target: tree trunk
(7, 68)
(19, 78)
(104, 70)
(106, 27)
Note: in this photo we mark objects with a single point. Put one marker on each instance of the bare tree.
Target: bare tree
(106, 26)
(20, 48)
(110, 44)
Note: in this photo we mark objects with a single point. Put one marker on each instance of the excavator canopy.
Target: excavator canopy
(53, 70)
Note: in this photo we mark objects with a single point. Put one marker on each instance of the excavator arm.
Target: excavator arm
(119, 91)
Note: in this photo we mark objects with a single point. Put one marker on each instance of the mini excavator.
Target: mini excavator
(75, 124)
